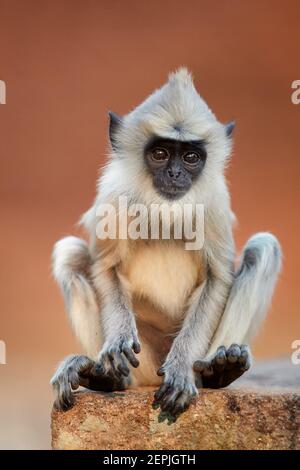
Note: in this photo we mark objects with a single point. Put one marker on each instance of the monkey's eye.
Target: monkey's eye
(191, 158)
(159, 154)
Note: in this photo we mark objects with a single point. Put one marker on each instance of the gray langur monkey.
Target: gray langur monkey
(189, 314)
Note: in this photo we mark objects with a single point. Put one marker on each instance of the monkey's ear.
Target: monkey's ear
(115, 122)
(229, 127)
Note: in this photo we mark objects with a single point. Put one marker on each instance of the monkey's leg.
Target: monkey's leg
(71, 269)
(228, 356)
(77, 371)
(72, 266)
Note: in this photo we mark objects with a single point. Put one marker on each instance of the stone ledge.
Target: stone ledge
(234, 418)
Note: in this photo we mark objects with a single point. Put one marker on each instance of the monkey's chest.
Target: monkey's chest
(164, 274)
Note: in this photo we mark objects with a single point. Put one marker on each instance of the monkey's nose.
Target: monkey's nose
(174, 173)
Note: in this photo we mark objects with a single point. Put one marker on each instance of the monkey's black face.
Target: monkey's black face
(174, 164)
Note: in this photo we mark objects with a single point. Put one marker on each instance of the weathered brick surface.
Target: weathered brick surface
(255, 417)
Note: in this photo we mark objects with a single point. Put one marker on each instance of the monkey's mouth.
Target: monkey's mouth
(172, 192)
(171, 189)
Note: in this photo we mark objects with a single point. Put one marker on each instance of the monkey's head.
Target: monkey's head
(171, 146)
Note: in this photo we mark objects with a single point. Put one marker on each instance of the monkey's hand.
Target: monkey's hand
(224, 367)
(117, 352)
(177, 390)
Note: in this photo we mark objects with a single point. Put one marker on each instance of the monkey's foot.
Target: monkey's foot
(225, 367)
(78, 371)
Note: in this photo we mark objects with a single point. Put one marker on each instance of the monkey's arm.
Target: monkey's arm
(192, 342)
(119, 326)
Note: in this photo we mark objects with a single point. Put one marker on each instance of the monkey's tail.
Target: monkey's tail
(251, 292)
(71, 265)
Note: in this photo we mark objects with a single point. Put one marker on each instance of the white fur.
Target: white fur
(165, 274)
(71, 260)
(251, 292)
(221, 307)
(177, 102)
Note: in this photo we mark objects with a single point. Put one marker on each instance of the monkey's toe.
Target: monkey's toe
(64, 395)
(204, 368)
(245, 358)
(233, 353)
(220, 356)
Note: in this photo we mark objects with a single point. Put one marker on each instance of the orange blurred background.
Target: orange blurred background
(65, 64)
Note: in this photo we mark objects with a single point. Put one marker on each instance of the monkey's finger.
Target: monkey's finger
(136, 347)
(179, 408)
(123, 370)
(115, 361)
(169, 400)
(182, 403)
(220, 359)
(201, 366)
(208, 372)
(97, 369)
(233, 353)
(65, 397)
(84, 367)
(159, 394)
(109, 361)
(73, 379)
(161, 371)
(84, 382)
(103, 365)
(245, 357)
(162, 417)
(111, 355)
(121, 365)
(130, 356)
(66, 400)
